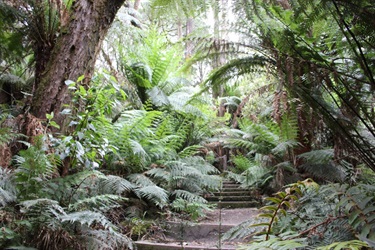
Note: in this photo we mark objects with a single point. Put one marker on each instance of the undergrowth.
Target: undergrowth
(308, 216)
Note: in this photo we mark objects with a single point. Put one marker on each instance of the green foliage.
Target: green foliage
(192, 174)
(139, 227)
(352, 244)
(8, 191)
(279, 204)
(34, 167)
(187, 179)
(47, 215)
(320, 164)
(155, 194)
(195, 210)
(321, 61)
(241, 163)
(276, 243)
(318, 217)
(86, 147)
(235, 68)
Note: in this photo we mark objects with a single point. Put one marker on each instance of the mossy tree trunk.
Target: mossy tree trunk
(72, 53)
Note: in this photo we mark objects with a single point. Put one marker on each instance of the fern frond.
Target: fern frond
(243, 230)
(235, 68)
(276, 243)
(154, 194)
(322, 156)
(284, 146)
(102, 203)
(113, 184)
(160, 174)
(254, 176)
(329, 171)
(158, 97)
(41, 211)
(200, 164)
(188, 196)
(190, 151)
(8, 192)
(141, 180)
(352, 244)
(87, 218)
(106, 239)
(6, 135)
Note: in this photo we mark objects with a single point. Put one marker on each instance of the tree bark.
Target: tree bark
(189, 47)
(136, 4)
(73, 54)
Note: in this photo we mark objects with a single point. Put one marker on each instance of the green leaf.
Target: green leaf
(80, 78)
(50, 116)
(274, 200)
(54, 124)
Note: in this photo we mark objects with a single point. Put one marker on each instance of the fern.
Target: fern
(112, 184)
(141, 180)
(276, 244)
(87, 218)
(101, 203)
(194, 209)
(34, 167)
(105, 239)
(359, 205)
(6, 135)
(242, 231)
(353, 244)
(8, 192)
(320, 164)
(155, 194)
(322, 156)
(187, 196)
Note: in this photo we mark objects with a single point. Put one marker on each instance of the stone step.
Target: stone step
(190, 231)
(234, 193)
(231, 184)
(233, 189)
(230, 198)
(203, 235)
(147, 245)
(236, 204)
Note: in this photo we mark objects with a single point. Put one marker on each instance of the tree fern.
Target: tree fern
(235, 68)
(320, 164)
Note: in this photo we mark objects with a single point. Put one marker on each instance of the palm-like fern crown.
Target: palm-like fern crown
(313, 61)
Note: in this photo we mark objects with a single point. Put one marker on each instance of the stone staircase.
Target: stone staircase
(233, 206)
(231, 196)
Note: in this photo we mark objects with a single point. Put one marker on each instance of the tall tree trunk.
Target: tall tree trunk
(73, 54)
(189, 47)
